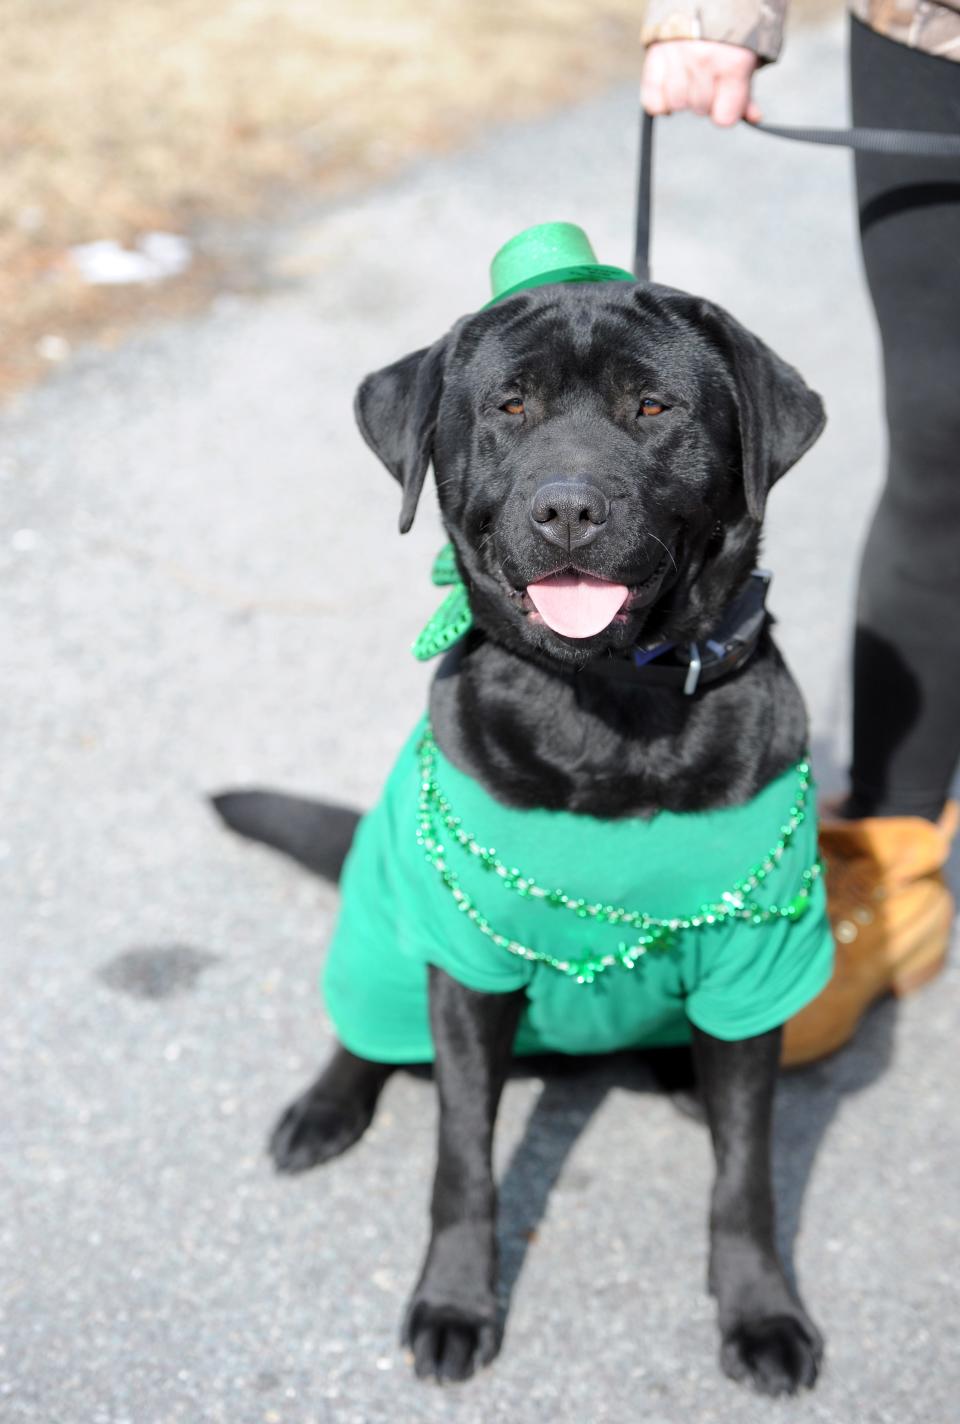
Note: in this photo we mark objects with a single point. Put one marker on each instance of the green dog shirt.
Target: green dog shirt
(621, 933)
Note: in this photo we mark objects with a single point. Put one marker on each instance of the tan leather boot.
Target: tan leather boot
(891, 914)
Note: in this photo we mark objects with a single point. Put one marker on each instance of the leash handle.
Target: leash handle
(894, 143)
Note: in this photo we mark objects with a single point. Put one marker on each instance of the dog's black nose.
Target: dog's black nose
(569, 512)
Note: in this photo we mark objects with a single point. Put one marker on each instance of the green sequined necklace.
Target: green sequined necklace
(437, 818)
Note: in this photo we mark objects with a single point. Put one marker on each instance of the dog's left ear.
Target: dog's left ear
(779, 415)
(396, 410)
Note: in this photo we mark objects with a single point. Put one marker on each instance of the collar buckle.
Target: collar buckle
(692, 678)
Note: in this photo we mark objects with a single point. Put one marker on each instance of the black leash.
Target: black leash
(895, 143)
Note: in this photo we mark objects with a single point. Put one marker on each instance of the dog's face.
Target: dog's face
(603, 453)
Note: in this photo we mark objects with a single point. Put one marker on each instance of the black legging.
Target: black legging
(906, 723)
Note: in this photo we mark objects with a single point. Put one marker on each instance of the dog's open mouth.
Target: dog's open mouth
(576, 605)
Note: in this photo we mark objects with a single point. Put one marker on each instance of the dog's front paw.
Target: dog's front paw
(448, 1343)
(777, 1354)
(313, 1129)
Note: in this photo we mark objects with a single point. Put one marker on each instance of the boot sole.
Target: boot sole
(914, 971)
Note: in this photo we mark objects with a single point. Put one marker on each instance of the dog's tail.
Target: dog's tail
(315, 833)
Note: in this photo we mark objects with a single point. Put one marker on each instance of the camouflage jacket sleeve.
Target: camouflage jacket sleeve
(930, 25)
(755, 24)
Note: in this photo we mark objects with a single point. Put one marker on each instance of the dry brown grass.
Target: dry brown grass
(123, 115)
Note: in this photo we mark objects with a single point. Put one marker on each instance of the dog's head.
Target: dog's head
(603, 454)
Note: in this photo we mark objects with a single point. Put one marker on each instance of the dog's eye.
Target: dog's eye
(513, 407)
(649, 406)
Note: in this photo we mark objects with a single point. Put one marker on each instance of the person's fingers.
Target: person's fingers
(753, 113)
(651, 82)
(676, 88)
(653, 99)
(705, 76)
(701, 85)
(731, 100)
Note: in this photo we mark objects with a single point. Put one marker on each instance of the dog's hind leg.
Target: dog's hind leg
(451, 1321)
(767, 1337)
(333, 1113)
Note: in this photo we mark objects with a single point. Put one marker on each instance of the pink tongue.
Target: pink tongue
(577, 605)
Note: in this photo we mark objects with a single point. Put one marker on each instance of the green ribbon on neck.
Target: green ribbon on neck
(454, 617)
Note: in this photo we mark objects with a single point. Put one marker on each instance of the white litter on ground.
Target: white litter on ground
(53, 347)
(154, 257)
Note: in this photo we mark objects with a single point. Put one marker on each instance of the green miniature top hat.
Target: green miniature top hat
(550, 252)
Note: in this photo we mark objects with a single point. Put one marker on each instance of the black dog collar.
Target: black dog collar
(690, 666)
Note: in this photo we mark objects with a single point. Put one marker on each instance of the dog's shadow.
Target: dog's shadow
(574, 1090)
(807, 1101)
(318, 835)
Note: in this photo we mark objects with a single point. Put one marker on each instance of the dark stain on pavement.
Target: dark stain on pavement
(156, 972)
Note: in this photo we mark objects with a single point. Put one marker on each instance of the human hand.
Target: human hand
(702, 75)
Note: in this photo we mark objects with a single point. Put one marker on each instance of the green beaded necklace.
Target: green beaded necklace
(436, 816)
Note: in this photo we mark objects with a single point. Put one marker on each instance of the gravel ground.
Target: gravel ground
(204, 588)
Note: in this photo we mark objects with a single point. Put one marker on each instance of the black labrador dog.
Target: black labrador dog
(628, 434)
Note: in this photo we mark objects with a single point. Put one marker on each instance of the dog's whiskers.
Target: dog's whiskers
(666, 550)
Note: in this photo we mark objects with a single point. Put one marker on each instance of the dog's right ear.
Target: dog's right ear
(396, 410)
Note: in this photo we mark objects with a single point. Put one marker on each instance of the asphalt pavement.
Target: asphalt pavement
(204, 588)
